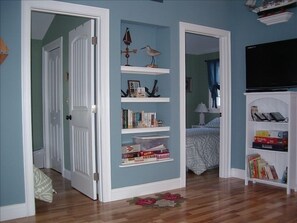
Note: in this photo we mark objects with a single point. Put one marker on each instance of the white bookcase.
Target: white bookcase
(286, 104)
(144, 71)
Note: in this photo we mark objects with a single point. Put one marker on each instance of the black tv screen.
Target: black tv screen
(271, 66)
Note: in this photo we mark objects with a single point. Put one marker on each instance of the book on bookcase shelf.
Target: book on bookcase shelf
(271, 140)
(260, 169)
(132, 154)
(135, 119)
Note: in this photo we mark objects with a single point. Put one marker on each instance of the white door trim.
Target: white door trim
(225, 70)
(58, 43)
(102, 95)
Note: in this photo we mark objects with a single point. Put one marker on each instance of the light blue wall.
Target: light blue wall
(11, 150)
(246, 30)
(224, 14)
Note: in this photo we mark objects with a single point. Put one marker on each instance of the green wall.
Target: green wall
(196, 68)
(36, 97)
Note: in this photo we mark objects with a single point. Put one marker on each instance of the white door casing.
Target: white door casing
(81, 100)
(52, 82)
(225, 75)
(101, 16)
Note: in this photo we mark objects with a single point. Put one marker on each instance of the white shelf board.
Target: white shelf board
(274, 6)
(144, 70)
(269, 182)
(276, 18)
(145, 130)
(146, 163)
(267, 150)
(160, 99)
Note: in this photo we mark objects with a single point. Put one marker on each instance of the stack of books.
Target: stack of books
(131, 119)
(271, 140)
(259, 168)
(133, 154)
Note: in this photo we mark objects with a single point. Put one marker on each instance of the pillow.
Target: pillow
(215, 123)
(43, 189)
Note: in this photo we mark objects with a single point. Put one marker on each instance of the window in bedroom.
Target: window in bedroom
(213, 67)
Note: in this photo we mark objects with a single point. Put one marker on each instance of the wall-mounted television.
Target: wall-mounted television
(271, 66)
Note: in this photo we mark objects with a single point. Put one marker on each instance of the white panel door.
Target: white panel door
(81, 99)
(55, 101)
(53, 104)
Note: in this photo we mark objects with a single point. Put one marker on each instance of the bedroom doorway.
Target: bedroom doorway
(202, 115)
(225, 73)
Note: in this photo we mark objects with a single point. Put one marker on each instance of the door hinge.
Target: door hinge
(94, 40)
(94, 109)
(96, 177)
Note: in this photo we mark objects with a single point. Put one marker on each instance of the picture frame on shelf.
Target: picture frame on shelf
(133, 85)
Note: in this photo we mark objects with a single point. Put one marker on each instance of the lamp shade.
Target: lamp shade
(201, 108)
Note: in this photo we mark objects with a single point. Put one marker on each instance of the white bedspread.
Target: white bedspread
(202, 149)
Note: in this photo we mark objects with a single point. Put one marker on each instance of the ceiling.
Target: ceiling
(195, 44)
(199, 44)
(40, 23)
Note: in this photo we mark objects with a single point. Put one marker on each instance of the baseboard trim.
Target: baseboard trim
(238, 173)
(13, 211)
(144, 189)
(67, 174)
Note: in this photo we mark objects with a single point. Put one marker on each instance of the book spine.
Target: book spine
(271, 140)
(124, 118)
(272, 133)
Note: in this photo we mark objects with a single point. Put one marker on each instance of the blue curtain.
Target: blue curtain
(213, 79)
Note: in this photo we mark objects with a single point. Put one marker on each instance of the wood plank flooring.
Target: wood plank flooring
(208, 199)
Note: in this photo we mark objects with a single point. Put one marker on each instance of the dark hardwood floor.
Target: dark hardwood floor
(208, 199)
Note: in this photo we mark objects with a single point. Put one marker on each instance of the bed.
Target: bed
(202, 147)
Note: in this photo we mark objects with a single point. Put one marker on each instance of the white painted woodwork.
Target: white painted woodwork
(224, 37)
(146, 130)
(286, 104)
(101, 16)
(143, 70)
(153, 100)
(53, 104)
(147, 162)
(81, 98)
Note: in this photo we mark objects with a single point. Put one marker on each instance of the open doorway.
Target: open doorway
(202, 115)
(101, 16)
(225, 68)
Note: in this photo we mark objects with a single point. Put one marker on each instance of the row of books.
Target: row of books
(271, 140)
(132, 154)
(259, 168)
(132, 119)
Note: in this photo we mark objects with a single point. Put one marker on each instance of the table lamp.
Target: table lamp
(201, 108)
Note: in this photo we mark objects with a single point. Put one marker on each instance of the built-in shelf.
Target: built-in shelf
(276, 18)
(273, 6)
(146, 162)
(143, 70)
(137, 100)
(146, 130)
(277, 183)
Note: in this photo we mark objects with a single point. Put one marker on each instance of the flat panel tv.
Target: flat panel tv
(271, 66)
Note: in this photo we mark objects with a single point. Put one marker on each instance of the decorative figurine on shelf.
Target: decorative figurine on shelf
(153, 53)
(125, 94)
(154, 91)
(127, 40)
